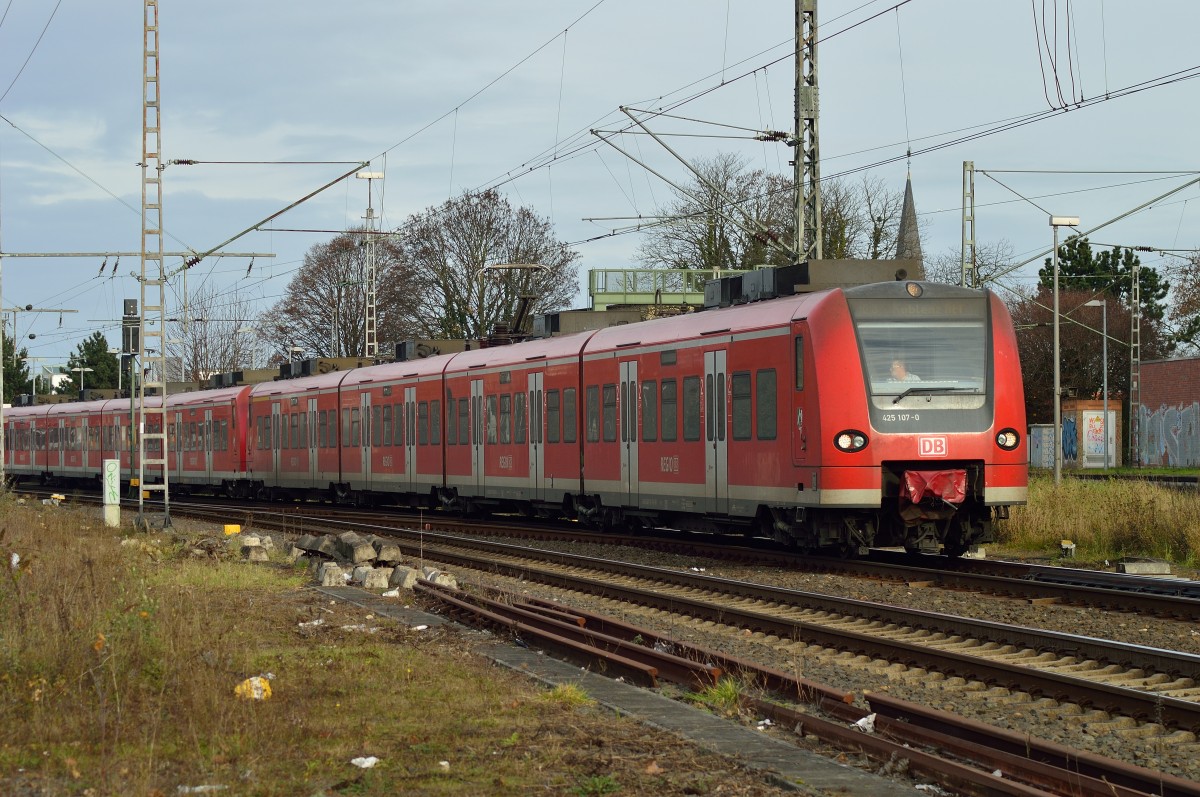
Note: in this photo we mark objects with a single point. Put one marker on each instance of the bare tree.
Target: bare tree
(858, 220)
(324, 306)
(453, 250)
(1183, 311)
(991, 261)
(214, 333)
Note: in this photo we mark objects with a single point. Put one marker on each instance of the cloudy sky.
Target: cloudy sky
(454, 96)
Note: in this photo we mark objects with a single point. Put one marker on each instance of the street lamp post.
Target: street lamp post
(81, 371)
(1103, 305)
(1056, 222)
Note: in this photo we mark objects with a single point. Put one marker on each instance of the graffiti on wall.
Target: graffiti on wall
(1070, 437)
(1169, 435)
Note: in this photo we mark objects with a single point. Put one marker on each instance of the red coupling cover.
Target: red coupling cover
(948, 485)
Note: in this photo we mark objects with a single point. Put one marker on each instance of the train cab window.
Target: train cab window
(799, 362)
(377, 425)
(490, 430)
(592, 411)
(670, 411)
(386, 423)
(691, 408)
(522, 419)
(569, 416)
(451, 420)
(553, 416)
(649, 411)
(423, 423)
(505, 418)
(435, 422)
(740, 387)
(765, 402)
(464, 421)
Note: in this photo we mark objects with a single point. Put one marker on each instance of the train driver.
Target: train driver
(900, 372)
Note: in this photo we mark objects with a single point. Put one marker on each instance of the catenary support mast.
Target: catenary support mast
(806, 154)
(152, 355)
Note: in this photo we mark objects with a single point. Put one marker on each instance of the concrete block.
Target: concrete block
(309, 542)
(295, 553)
(404, 577)
(377, 578)
(255, 553)
(327, 572)
(354, 549)
(387, 552)
(327, 545)
(359, 574)
(266, 541)
(251, 540)
(1144, 568)
(445, 580)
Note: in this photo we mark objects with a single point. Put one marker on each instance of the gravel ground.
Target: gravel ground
(1067, 724)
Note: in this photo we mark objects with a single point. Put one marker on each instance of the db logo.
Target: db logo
(931, 446)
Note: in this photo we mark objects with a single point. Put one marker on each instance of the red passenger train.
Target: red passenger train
(882, 415)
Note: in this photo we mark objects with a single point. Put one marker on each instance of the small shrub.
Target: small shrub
(569, 696)
(597, 785)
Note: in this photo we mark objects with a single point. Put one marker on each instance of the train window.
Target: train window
(224, 434)
(355, 427)
(553, 418)
(451, 420)
(491, 419)
(670, 412)
(412, 422)
(505, 418)
(377, 425)
(569, 422)
(398, 424)
(295, 423)
(610, 413)
(766, 404)
(691, 408)
(709, 415)
(740, 387)
(435, 422)
(649, 411)
(464, 421)
(423, 423)
(721, 414)
(285, 439)
(345, 436)
(592, 410)
(666, 357)
(386, 419)
(799, 362)
(522, 419)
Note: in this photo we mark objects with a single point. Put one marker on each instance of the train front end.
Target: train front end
(946, 411)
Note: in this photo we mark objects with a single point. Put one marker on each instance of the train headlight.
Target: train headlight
(850, 441)
(1008, 439)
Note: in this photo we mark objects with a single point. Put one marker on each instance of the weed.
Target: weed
(569, 696)
(723, 696)
(597, 785)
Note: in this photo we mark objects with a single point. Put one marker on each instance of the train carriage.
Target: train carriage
(205, 446)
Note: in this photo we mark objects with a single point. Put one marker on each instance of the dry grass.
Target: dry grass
(1107, 520)
(118, 664)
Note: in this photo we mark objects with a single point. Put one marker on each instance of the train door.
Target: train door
(628, 399)
(177, 452)
(802, 420)
(311, 440)
(59, 429)
(537, 463)
(409, 420)
(716, 452)
(477, 457)
(208, 446)
(364, 403)
(275, 440)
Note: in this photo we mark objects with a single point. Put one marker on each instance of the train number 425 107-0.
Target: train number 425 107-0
(902, 416)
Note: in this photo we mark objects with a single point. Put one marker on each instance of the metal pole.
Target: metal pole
(1104, 424)
(1057, 399)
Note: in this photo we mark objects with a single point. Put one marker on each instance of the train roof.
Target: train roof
(204, 396)
(726, 320)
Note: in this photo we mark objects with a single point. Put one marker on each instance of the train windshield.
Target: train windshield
(933, 354)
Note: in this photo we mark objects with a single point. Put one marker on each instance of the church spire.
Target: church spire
(908, 238)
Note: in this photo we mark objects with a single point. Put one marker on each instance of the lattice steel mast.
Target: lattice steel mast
(807, 161)
(152, 354)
